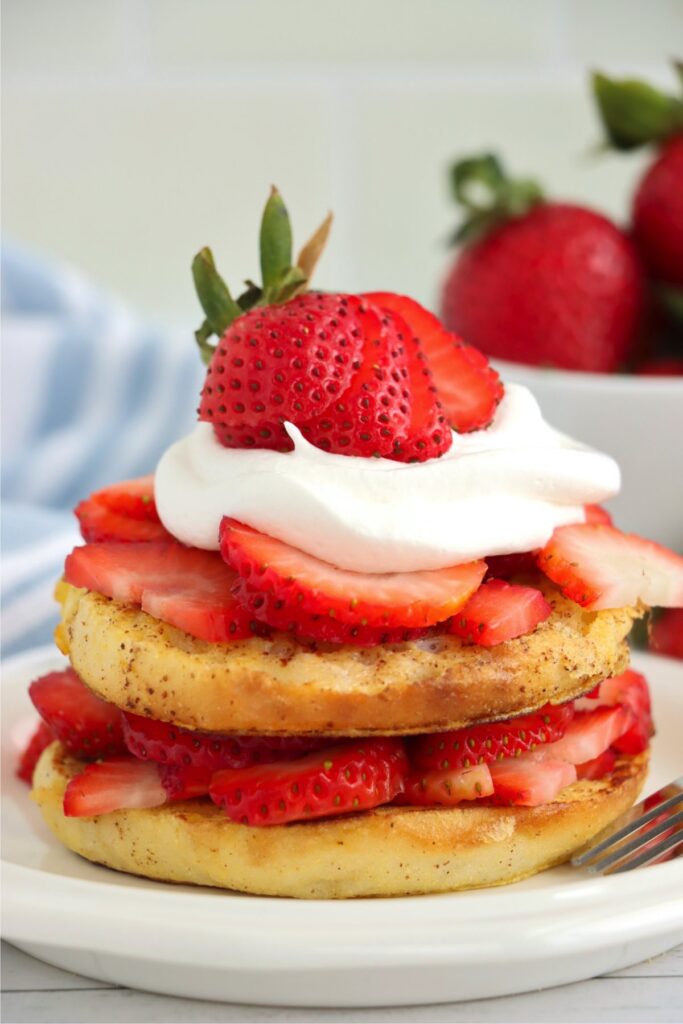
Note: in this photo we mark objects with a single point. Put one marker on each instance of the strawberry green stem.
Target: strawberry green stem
(488, 196)
(281, 279)
(634, 113)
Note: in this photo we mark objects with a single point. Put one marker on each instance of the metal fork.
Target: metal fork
(650, 831)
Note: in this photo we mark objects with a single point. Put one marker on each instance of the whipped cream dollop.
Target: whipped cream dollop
(496, 491)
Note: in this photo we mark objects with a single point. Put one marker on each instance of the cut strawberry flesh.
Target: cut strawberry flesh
(120, 783)
(446, 788)
(122, 512)
(629, 690)
(493, 741)
(166, 743)
(292, 580)
(468, 387)
(85, 724)
(41, 737)
(341, 779)
(521, 781)
(500, 611)
(599, 567)
(587, 735)
(185, 782)
(185, 587)
(600, 766)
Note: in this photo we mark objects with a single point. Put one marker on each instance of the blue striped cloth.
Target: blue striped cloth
(90, 395)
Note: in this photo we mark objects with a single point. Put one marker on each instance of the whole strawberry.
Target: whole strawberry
(338, 367)
(635, 114)
(540, 282)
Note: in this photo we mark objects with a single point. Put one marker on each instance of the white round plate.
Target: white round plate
(558, 927)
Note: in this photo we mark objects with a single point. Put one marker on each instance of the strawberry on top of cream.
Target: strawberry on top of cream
(496, 491)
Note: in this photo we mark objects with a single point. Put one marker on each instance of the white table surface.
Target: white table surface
(32, 991)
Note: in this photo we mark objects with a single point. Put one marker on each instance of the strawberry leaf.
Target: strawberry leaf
(275, 241)
(488, 196)
(214, 295)
(634, 113)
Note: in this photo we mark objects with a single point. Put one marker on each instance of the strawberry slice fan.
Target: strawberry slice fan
(260, 674)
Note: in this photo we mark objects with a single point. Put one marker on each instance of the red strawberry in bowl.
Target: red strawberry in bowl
(635, 114)
(538, 281)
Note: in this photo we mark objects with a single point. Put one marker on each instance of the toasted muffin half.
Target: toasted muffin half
(391, 851)
(281, 686)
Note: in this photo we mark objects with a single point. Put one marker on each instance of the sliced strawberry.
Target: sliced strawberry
(166, 743)
(41, 738)
(666, 633)
(587, 736)
(599, 567)
(372, 416)
(428, 434)
(500, 611)
(446, 788)
(597, 514)
(629, 690)
(600, 766)
(185, 587)
(117, 784)
(308, 628)
(123, 512)
(341, 779)
(183, 782)
(292, 580)
(87, 726)
(528, 783)
(493, 741)
(468, 387)
(502, 567)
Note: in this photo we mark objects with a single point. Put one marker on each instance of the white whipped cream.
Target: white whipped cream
(496, 491)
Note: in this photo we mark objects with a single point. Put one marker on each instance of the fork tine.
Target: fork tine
(667, 843)
(631, 826)
(603, 864)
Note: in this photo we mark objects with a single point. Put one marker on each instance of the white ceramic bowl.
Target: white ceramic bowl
(637, 420)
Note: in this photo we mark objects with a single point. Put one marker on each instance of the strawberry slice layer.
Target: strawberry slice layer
(527, 783)
(446, 788)
(428, 434)
(41, 738)
(85, 724)
(122, 512)
(628, 690)
(309, 628)
(598, 566)
(341, 779)
(120, 783)
(291, 580)
(587, 736)
(600, 766)
(492, 741)
(374, 413)
(185, 587)
(185, 782)
(500, 611)
(166, 743)
(468, 387)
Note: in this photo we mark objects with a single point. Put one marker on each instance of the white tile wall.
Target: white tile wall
(137, 130)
